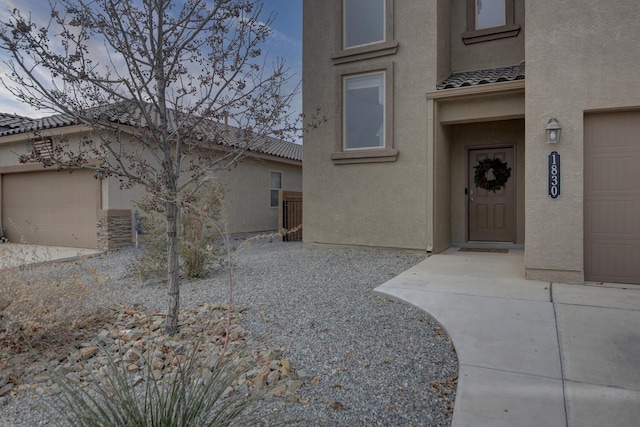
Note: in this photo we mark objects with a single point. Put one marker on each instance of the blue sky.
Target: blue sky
(286, 43)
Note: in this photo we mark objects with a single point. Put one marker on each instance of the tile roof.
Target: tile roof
(11, 122)
(480, 77)
(280, 148)
(12, 125)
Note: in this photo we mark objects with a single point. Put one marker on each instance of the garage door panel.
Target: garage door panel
(612, 174)
(613, 261)
(52, 208)
(613, 217)
(612, 197)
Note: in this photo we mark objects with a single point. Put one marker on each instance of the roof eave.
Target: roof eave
(501, 87)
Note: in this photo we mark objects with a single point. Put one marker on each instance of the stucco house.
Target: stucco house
(44, 206)
(422, 97)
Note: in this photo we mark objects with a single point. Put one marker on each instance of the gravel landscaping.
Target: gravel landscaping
(360, 359)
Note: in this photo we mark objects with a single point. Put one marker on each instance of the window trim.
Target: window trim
(271, 188)
(345, 80)
(473, 35)
(385, 47)
(386, 153)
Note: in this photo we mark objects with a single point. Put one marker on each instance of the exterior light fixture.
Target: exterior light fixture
(553, 131)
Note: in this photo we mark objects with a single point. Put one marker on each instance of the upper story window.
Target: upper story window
(490, 13)
(367, 30)
(364, 22)
(490, 20)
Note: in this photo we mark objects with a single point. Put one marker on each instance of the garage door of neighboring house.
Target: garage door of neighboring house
(50, 208)
(612, 197)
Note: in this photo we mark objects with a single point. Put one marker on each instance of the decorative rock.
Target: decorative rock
(294, 386)
(88, 352)
(259, 380)
(157, 363)
(131, 356)
(41, 379)
(129, 339)
(273, 377)
(279, 390)
(5, 389)
(274, 365)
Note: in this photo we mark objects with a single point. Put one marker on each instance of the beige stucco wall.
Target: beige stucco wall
(440, 201)
(370, 204)
(247, 186)
(247, 193)
(581, 56)
(477, 56)
(444, 39)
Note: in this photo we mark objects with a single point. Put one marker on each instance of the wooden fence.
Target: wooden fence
(290, 215)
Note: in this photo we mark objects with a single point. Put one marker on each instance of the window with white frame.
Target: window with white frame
(490, 20)
(276, 186)
(364, 22)
(364, 111)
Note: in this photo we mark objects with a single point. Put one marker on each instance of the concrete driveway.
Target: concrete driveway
(531, 353)
(14, 254)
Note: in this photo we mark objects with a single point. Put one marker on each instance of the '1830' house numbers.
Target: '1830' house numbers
(554, 175)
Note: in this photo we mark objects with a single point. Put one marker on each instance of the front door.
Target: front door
(492, 190)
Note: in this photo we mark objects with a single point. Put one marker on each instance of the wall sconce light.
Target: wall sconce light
(100, 174)
(553, 131)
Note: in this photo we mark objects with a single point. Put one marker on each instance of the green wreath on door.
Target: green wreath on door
(501, 172)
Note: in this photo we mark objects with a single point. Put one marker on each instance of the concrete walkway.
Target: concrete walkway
(531, 353)
(14, 254)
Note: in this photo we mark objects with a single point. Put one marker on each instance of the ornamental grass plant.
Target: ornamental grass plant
(197, 394)
(42, 304)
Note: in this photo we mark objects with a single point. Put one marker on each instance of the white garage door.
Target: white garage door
(612, 197)
(51, 208)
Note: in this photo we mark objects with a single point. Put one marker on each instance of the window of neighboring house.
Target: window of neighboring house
(364, 22)
(489, 20)
(367, 30)
(276, 186)
(366, 130)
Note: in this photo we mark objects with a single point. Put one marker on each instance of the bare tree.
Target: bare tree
(155, 81)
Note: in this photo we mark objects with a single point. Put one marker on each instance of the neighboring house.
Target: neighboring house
(420, 92)
(78, 209)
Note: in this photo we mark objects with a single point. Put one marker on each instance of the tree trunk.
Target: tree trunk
(173, 283)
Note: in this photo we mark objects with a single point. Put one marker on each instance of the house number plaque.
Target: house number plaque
(554, 175)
